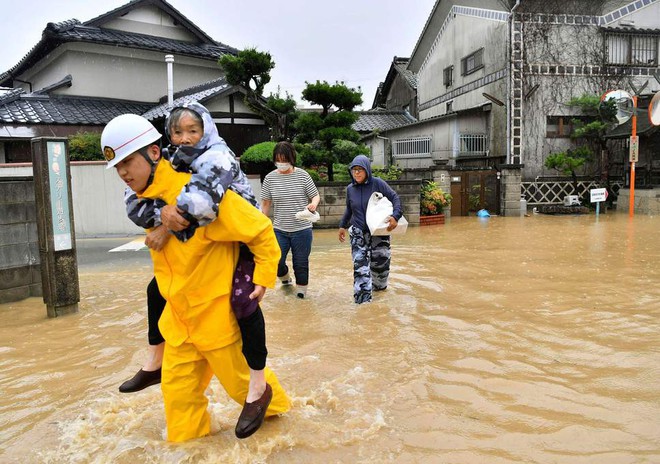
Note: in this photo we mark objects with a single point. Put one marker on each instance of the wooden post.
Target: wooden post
(57, 246)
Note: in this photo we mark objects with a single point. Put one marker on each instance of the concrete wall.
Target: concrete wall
(20, 275)
(510, 203)
(98, 198)
(646, 201)
(333, 201)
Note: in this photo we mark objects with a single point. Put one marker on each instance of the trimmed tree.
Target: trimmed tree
(327, 138)
(589, 134)
(251, 70)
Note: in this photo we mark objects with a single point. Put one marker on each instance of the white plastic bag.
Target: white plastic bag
(379, 208)
(307, 215)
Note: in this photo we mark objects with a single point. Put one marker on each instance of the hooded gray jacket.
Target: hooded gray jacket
(215, 169)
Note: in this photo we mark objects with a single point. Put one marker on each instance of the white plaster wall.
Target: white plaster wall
(647, 17)
(463, 36)
(377, 148)
(150, 20)
(119, 73)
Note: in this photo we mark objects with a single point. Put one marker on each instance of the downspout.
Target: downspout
(508, 83)
(169, 59)
(23, 82)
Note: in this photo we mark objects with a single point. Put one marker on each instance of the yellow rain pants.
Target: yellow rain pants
(185, 378)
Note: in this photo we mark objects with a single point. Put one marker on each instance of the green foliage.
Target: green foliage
(341, 119)
(433, 199)
(328, 137)
(589, 104)
(589, 130)
(337, 95)
(331, 134)
(345, 150)
(391, 173)
(307, 125)
(314, 174)
(570, 161)
(312, 154)
(250, 68)
(85, 146)
(258, 159)
(342, 174)
(285, 108)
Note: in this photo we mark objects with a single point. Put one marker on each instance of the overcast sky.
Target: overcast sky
(340, 40)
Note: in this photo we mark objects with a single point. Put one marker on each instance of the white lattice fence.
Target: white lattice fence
(553, 192)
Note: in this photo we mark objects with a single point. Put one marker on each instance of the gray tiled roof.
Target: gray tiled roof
(19, 107)
(199, 93)
(73, 31)
(407, 74)
(382, 120)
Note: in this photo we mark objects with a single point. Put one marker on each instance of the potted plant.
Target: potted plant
(433, 201)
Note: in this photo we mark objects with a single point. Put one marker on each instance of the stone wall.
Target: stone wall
(333, 201)
(20, 275)
(511, 177)
(647, 201)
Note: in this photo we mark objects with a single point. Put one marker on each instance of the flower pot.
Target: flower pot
(432, 220)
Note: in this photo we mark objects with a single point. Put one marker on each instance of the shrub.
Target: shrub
(85, 146)
(391, 173)
(258, 159)
(314, 174)
(433, 199)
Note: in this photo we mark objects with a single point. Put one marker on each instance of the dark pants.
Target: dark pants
(248, 313)
(300, 245)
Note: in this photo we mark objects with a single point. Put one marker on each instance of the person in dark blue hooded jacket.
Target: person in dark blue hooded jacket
(371, 254)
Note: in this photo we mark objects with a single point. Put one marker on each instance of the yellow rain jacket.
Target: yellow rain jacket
(201, 269)
(197, 323)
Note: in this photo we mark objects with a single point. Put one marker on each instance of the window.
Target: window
(473, 145)
(450, 106)
(414, 147)
(473, 62)
(448, 75)
(633, 49)
(561, 126)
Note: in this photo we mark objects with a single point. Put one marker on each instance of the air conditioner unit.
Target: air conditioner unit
(571, 200)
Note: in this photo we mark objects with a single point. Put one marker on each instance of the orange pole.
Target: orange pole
(631, 206)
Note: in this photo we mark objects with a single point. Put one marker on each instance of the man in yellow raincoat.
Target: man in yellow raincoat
(198, 324)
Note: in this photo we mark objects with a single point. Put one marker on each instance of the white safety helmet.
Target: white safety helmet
(125, 135)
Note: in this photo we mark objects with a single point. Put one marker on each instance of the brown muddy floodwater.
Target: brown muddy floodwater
(504, 340)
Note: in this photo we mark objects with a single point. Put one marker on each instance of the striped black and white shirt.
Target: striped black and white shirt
(289, 193)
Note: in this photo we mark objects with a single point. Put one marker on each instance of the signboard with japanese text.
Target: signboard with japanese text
(59, 196)
(598, 195)
(634, 149)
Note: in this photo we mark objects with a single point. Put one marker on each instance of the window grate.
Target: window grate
(472, 62)
(473, 145)
(632, 49)
(414, 147)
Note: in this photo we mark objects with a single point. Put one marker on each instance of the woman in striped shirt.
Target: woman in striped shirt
(289, 190)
